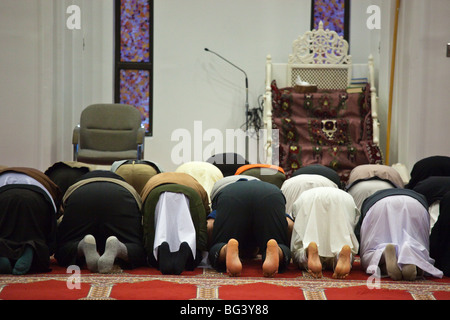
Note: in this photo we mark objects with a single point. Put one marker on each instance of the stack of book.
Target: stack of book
(357, 85)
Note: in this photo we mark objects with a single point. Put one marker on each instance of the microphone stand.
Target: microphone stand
(246, 99)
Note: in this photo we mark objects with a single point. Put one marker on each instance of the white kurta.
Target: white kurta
(434, 213)
(293, 187)
(402, 221)
(326, 216)
(173, 223)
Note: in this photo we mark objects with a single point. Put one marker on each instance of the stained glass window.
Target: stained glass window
(134, 31)
(333, 13)
(133, 75)
(135, 90)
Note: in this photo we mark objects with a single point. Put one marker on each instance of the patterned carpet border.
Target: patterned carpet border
(209, 282)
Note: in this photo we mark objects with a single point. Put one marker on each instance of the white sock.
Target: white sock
(88, 248)
(113, 249)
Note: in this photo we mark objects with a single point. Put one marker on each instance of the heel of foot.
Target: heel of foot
(5, 266)
(113, 249)
(390, 256)
(89, 239)
(344, 263)
(23, 264)
(346, 251)
(88, 248)
(233, 263)
(314, 264)
(409, 272)
(272, 260)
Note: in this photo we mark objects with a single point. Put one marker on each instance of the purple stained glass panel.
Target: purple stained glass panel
(134, 31)
(135, 90)
(332, 13)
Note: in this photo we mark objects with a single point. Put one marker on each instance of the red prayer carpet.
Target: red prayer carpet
(206, 284)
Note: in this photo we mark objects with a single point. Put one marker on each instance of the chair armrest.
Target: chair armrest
(140, 135)
(76, 135)
(140, 140)
(75, 141)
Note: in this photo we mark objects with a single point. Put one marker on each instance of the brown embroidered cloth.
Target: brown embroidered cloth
(329, 127)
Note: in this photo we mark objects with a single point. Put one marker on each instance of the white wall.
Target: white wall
(20, 86)
(82, 66)
(47, 77)
(204, 88)
(194, 85)
(421, 112)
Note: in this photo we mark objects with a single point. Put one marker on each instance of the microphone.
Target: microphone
(246, 81)
(247, 113)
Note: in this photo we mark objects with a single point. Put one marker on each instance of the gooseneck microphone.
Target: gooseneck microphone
(246, 79)
(247, 113)
(246, 83)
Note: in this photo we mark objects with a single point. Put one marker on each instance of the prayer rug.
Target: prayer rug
(206, 284)
(330, 127)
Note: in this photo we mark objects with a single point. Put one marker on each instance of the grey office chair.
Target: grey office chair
(108, 133)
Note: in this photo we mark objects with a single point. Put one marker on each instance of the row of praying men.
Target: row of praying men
(216, 214)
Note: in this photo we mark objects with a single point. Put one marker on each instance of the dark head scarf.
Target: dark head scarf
(64, 174)
(320, 170)
(427, 167)
(433, 188)
(228, 163)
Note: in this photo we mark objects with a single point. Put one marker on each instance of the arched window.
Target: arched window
(335, 15)
(134, 57)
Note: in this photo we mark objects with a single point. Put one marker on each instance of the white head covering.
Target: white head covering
(204, 172)
(293, 187)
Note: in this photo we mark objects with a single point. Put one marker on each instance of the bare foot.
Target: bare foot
(314, 264)
(272, 261)
(344, 263)
(233, 263)
(390, 257)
